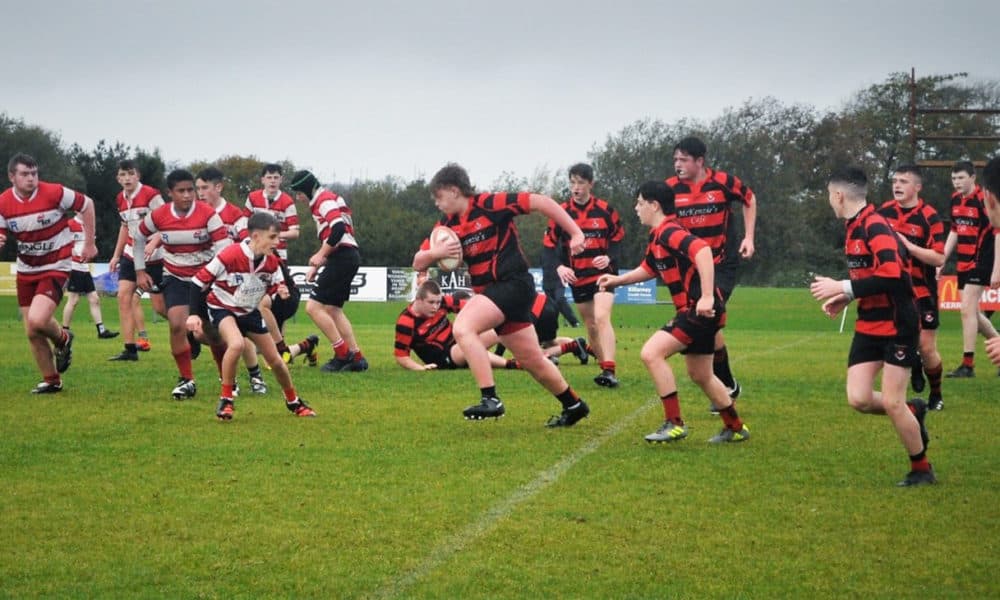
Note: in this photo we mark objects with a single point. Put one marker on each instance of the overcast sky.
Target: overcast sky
(373, 88)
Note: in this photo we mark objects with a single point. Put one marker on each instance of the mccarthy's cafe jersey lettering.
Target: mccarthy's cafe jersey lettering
(703, 209)
(41, 227)
(132, 210)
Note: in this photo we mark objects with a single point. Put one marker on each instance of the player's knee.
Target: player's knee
(35, 326)
(464, 333)
(858, 399)
(700, 377)
(650, 355)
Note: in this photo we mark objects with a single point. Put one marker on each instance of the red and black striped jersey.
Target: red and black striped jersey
(601, 228)
(703, 209)
(877, 268)
(429, 336)
(975, 247)
(491, 247)
(922, 225)
(670, 255)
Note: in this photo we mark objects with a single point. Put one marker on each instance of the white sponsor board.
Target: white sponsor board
(369, 284)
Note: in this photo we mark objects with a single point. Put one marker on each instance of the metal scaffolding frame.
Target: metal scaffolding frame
(915, 137)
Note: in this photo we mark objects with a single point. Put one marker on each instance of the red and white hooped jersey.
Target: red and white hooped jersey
(234, 219)
(283, 209)
(133, 209)
(237, 283)
(41, 227)
(79, 264)
(328, 209)
(189, 240)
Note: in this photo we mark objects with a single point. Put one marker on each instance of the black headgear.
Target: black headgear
(305, 182)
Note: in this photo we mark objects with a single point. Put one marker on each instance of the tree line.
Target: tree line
(783, 152)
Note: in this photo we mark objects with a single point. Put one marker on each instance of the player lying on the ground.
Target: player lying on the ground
(423, 328)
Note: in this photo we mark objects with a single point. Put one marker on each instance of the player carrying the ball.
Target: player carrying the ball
(504, 288)
(235, 281)
(685, 264)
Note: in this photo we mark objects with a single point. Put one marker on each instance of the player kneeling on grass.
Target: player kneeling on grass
(504, 288)
(235, 281)
(684, 262)
(886, 330)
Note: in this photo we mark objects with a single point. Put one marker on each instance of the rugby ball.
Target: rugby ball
(441, 235)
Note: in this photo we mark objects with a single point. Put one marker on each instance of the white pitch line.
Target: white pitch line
(492, 518)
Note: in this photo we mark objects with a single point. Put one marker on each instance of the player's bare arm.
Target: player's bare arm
(747, 247)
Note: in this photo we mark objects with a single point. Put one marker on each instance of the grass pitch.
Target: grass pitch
(113, 489)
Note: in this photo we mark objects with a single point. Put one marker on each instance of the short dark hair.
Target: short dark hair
(452, 174)
(964, 165)
(21, 159)
(912, 169)
(305, 182)
(211, 174)
(692, 146)
(428, 288)
(177, 176)
(991, 176)
(261, 220)
(128, 165)
(583, 171)
(271, 168)
(659, 192)
(851, 177)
